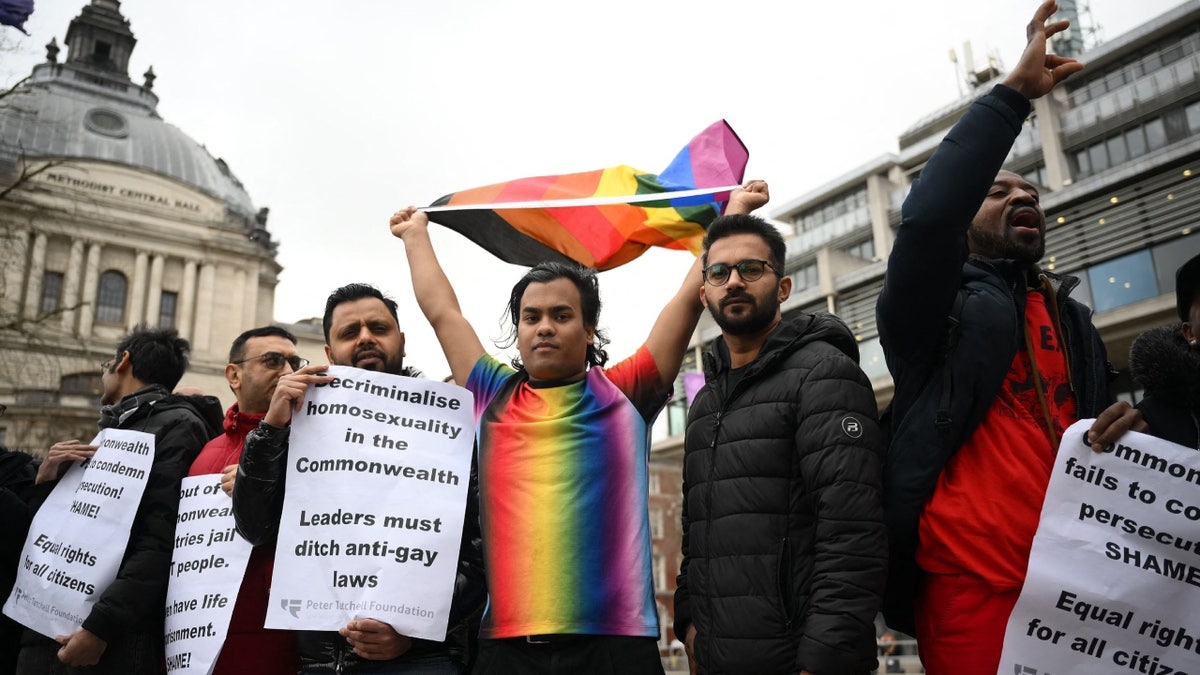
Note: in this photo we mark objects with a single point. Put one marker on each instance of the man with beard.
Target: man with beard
(783, 537)
(361, 330)
(563, 462)
(992, 359)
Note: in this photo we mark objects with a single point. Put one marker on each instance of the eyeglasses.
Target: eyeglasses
(717, 274)
(275, 360)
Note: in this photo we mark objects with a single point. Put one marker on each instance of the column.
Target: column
(878, 203)
(187, 299)
(231, 325)
(91, 278)
(154, 302)
(203, 332)
(250, 310)
(71, 285)
(1047, 109)
(137, 304)
(37, 270)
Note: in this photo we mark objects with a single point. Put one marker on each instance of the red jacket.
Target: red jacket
(249, 648)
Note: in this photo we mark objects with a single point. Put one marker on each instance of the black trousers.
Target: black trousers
(569, 655)
(136, 653)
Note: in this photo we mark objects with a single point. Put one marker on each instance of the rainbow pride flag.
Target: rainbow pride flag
(602, 218)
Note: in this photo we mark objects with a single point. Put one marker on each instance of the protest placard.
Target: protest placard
(78, 537)
(1114, 575)
(207, 567)
(373, 510)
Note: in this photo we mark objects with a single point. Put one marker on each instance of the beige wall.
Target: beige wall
(85, 218)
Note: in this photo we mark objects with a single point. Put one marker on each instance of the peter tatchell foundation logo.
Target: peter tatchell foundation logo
(291, 607)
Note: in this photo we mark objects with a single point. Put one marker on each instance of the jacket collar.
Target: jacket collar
(238, 422)
(789, 336)
(118, 413)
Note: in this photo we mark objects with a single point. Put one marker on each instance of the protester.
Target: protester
(257, 359)
(563, 454)
(123, 633)
(17, 473)
(992, 359)
(1166, 363)
(783, 538)
(362, 330)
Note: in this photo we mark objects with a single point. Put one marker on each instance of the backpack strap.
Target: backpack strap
(953, 328)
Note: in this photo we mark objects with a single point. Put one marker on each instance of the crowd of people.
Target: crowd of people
(804, 513)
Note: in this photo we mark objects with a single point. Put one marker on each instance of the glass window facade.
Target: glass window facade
(1172, 126)
(1170, 256)
(805, 278)
(110, 297)
(167, 305)
(52, 286)
(1123, 280)
(863, 249)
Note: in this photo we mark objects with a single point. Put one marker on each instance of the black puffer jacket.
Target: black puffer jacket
(783, 537)
(1169, 369)
(257, 507)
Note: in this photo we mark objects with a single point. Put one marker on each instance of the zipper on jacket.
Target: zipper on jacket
(782, 577)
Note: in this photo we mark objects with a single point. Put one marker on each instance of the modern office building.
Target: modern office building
(1117, 150)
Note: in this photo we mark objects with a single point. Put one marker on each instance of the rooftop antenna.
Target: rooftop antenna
(959, 78)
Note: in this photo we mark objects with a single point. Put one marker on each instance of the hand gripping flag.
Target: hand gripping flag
(605, 218)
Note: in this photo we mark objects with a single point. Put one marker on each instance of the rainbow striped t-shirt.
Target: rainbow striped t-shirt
(563, 499)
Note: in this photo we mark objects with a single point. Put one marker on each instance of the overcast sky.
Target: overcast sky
(336, 114)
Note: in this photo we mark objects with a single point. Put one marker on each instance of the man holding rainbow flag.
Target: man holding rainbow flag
(563, 453)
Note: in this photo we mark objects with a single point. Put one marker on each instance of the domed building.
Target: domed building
(112, 217)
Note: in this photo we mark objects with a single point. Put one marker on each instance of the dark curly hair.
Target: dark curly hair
(585, 280)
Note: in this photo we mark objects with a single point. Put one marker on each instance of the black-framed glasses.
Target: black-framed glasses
(275, 360)
(717, 274)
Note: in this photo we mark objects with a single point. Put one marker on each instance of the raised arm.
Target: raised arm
(924, 269)
(435, 295)
(1038, 71)
(672, 330)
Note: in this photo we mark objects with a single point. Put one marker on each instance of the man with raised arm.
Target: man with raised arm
(992, 360)
(563, 453)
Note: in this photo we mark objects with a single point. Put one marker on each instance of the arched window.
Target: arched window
(110, 297)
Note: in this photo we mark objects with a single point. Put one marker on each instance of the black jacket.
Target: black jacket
(181, 425)
(257, 507)
(17, 473)
(928, 268)
(783, 537)
(1163, 363)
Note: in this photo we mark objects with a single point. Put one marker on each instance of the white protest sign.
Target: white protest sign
(373, 510)
(1114, 574)
(77, 538)
(207, 567)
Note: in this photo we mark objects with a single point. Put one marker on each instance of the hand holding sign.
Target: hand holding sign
(1114, 579)
(60, 456)
(373, 511)
(228, 476)
(375, 640)
(81, 648)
